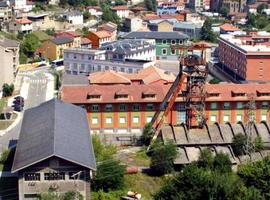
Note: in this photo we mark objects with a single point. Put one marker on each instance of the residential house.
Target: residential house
(228, 28)
(9, 56)
(54, 151)
(134, 24)
(190, 28)
(137, 10)
(169, 7)
(130, 49)
(21, 5)
(95, 11)
(74, 17)
(100, 37)
(5, 11)
(160, 25)
(70, 34)
(86, 61)
(86, 43)
(109, 27)
(163, 42)
(121, 11)
(20, 25)
(53, 49)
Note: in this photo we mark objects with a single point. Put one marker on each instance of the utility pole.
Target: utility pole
(251, 107)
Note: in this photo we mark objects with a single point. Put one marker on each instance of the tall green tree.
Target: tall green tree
(149, 5)
(162, 157)
(109, 15)
(224, 11)
(207, 33)
(30, 44)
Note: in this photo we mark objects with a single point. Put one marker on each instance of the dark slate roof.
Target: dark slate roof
(156, 35)
(56, 129)
(70, 79)
(9, 43)
(3, 4)
(61, 40)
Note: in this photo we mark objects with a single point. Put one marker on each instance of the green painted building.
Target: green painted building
(163, 42)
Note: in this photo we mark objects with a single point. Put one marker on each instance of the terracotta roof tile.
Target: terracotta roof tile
(228, 27)
(103, 34)
(120, 7)
(24, 21)
(108, 77)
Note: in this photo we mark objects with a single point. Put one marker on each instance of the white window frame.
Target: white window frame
(108, 120)
(136, 120)
(239, 118)
(94, 120)
(148, 119)
(226, 118)
(122, 120)
(264, 118)
(164, 54)
(213, 118)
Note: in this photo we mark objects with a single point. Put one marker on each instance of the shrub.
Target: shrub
(147, 134)
(7, 89)
(239, 143)
(4, 156)
(258, 143)
(162, 157)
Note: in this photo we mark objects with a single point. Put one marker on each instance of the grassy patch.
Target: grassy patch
(141, 183)
(4, 124)
(141, 158)
(3, 103)
(42, 36)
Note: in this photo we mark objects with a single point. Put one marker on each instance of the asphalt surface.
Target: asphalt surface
(36, 95)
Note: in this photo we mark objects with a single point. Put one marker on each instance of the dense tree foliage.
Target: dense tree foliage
(224, 11)
(7, 89)
(239, 144)
(109, 15)
(150, 5)
(261, 7)
(110, 173)
(207, 33)
(147, 134)
(257, 175)
(71, 195)
(209, 179)
(162, 157)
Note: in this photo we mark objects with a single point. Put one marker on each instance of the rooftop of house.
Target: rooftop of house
(67, 34)
(228, 27)
(62, 40)
(24, 20)
(257, 42)
(98, 8)
(85, 51)
(215, 93)
(102, 34)
(156, 35)
(147, 75)
(54, 128)
(73, 13)
(127, 46)
(109, 26)
(122, 7)
(137, 9)
(4, 42)
(85, 41)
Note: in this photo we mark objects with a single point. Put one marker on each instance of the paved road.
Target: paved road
(39, 86)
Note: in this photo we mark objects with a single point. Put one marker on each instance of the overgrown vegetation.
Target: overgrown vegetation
(150, 5)
(147, 134)
(28, 46)
(207, 33)
(51, 195)
(162, 157)
(239, 144)
(212, 178)
(110, 173)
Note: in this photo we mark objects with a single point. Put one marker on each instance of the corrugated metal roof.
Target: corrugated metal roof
(156, 35)
(56, 129)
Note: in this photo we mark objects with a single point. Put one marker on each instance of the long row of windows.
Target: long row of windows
(53, 176)
(122, 107)
(121, 120)
(239, 105)
(227, 118)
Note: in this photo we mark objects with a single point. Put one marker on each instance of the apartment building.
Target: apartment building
(9, 56)
(234, 6)
(126, 108)
(130, 49)
(5, 11)
(163, 42)
(57, 154)
(246, 55)
(86, 61)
